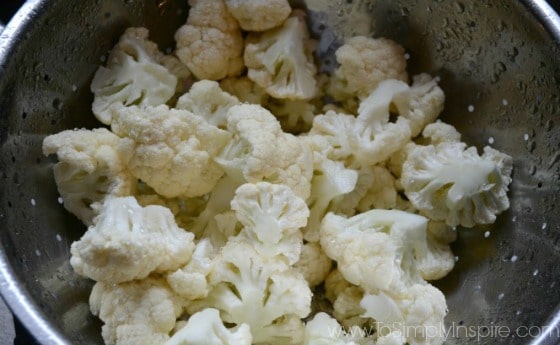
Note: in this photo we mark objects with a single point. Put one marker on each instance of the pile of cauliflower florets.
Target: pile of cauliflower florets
(238, 196)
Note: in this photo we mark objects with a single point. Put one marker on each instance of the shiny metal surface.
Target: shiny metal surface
(497, 58)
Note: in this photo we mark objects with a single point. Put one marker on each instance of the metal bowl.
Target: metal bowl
(498, 61)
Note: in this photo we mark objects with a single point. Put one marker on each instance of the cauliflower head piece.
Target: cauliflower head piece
(440, 132)
(129, 242)
(455, 184)
(313, 264)
(261, 151)
(207, 328)
(382, 249)
(331, 181)
(364, 63)
(207, 100)
(272, 216)
(257, 15)
(210, 44)
(280, 60)
(415, 317)
(89, 168)
(139, 312)
(191, 280)
(132, 76)
(375, 188)
(270, 296)
(422, 103)
(171, 150)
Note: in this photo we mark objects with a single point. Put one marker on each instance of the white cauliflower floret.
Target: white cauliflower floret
(140, 312)
(210, 43)
(191, 281)
(396, 161)
(207, 100)
(440, 132)
(375, 188)
(380, 249)
(453, 183)
(347, 309)
(422, 104)
(258, 15)
(133, 75)
(370, 137)
(331, 181)
(261, 151)
(269, 296)
(88, 169)
(437, 260)
(217, 221)
(128, 242)
(207, 328)
(325, 330)
(416, 316)
(171, 150)
(364, 63)
(313, 264)
(272, 216)
(280, 61)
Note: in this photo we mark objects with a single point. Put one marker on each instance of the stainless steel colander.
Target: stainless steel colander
(499, 64)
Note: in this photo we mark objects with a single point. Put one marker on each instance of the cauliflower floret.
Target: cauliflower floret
(347, 309)
(258, 15)
(396, 161)
(440, 132)
(335, 284)
(364, 63)
(437, 260)
(380, 249)
(89, 168)
(270, 296)
(183, 209)
(451, 182)
(281, 62)
(313, 264)
(325, 330)
(180, 70)
(133, 75)
(128, 242)
(375, 188)
(369, 138)
(171, 150)
(331, 181)
(416, 317)
(191, 281)
(207, 100)
(422, 104)
(261, 151)
(140, 312)
(210, 43)
(217, 221)
(272, 216)
(246, 90)
(295, 115)
(207, 328)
